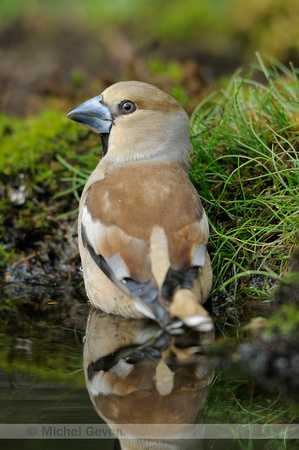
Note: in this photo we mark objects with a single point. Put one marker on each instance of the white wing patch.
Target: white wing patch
(97, 235)
(107, 383)
(98, 385)
(205, 226)
(118, 267)
(199, 256)
(122, 368)
(92, 230)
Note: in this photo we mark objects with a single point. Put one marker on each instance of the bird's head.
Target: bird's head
(137, 121)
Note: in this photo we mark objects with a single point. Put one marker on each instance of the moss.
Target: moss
(30, 172)
(245, 167)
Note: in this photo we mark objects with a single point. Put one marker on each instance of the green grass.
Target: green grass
(239, 400)
(246, 166)
(246, 169)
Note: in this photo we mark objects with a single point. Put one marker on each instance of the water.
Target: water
(103, 368)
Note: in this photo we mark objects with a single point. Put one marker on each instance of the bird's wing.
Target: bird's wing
(123, 258)
(187, 252)
(118, 216)
(187, 246)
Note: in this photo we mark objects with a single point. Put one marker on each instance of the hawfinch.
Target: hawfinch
(136, 373)
(142, 228)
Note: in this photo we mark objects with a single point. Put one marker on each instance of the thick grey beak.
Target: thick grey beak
(93, 114)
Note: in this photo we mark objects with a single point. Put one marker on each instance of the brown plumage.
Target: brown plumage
(142, 228)
(138, 374)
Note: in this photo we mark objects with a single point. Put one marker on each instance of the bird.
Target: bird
(136, 373)
(142, 229)
(146, 384)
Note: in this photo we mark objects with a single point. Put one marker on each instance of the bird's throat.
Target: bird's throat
(105, 140)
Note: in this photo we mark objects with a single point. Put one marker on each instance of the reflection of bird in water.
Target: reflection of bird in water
(136, 373)
(142, 228)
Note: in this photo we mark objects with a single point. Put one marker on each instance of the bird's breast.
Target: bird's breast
(137, 197)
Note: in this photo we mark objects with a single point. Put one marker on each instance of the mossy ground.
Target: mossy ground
(245, 167)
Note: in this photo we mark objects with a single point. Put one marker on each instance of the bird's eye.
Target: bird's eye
(127, 106)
